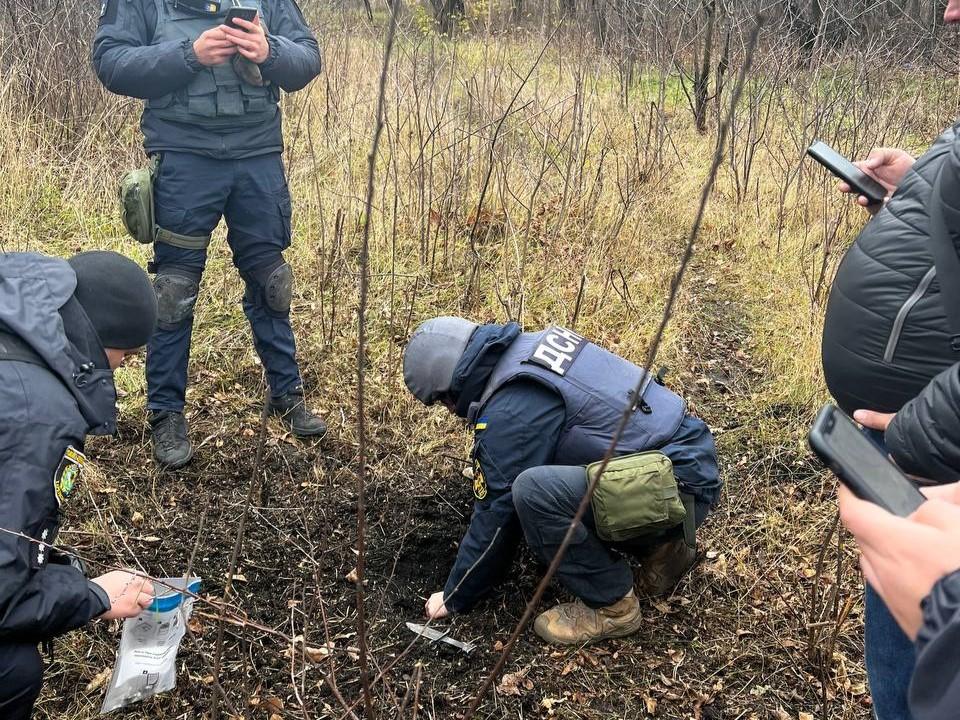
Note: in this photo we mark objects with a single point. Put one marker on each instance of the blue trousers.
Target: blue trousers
(21, 677)
(890, 654)
(546, 499)
(192, 193)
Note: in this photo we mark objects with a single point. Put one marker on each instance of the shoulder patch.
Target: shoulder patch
(68, 473)
(557, 350)
(479, 482)
(481, 424)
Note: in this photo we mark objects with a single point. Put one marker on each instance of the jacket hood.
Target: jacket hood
(481, 355)
(36, 293)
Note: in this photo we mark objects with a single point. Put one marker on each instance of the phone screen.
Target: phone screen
(861, 465)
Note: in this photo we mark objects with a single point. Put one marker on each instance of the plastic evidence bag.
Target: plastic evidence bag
(147, 658)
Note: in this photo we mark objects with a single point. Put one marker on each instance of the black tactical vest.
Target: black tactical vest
(217, 98)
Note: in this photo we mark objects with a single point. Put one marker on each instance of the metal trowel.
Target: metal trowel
(440, 636)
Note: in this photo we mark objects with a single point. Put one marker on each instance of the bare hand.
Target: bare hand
(213, 47)
(435, 609)
(902, 558)
(129, 594)
(874, 420)
(251, 41)
(885, 165)
(946, 493)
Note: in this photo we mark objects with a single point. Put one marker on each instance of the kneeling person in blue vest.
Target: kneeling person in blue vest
(545, 407)
(212, 128)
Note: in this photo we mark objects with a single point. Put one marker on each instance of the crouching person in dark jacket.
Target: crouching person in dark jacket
(543, 406)
(64, 327)
(914, 564)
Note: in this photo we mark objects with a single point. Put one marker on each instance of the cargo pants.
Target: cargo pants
(192, 193)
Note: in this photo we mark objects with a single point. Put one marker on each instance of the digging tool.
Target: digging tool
(441, 636)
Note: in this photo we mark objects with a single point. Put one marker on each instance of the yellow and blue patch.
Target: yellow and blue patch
(68, 473)
(481, 424)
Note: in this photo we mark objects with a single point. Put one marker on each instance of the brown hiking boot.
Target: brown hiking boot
(662, 569)
(576, 624)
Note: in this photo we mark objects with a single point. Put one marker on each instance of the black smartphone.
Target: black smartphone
(857, 179)
(240, 10)
(860, 464)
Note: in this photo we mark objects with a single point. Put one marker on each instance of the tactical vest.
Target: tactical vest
(217, 98)
(596, 387)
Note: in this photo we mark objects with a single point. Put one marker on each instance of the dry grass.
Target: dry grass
(587, 206)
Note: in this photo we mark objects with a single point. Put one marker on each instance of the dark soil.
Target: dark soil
(730, 643)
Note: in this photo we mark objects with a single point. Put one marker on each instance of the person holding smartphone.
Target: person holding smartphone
(914, 565)
(211, 83)
(888, 348)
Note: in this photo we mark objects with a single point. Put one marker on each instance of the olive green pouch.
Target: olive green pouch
(136, 203)
(636, 495)
(137, 211)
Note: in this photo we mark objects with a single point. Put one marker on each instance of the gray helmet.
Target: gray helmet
(432, 355)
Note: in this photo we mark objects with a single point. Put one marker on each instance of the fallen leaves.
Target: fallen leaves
(515, 683)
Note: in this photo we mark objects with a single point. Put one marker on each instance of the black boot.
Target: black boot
(293, 411)
(171, 442)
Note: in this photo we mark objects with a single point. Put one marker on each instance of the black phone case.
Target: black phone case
(848, 473)
(865, 185)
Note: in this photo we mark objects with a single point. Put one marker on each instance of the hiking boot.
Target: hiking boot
(171, 443)
(576, 624)
(662, 569)
(293, 412)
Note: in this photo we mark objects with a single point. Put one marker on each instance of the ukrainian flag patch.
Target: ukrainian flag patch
(481, 424)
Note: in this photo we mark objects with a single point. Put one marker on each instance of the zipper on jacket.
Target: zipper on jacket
(905, 309)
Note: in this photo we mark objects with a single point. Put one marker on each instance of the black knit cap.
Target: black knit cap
(117, 296)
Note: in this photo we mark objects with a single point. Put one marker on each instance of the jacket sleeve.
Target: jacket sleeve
(924, 437)
(518, 431)
(935, 689)
(294, 58)
(127, 63)
(38, 599)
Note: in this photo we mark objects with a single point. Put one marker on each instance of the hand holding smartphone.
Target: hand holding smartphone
(861, 465)
(841, 167)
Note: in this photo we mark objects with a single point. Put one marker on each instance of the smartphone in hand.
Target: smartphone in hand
(861, 465)
(857, 179)
(240, 10)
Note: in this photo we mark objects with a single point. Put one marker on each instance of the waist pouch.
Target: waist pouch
(636, 495)
(137, 211)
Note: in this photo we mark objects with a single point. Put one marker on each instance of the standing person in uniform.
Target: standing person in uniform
(544, 405)
(64, 327)
(211, 122)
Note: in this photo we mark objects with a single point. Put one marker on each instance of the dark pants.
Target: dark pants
(191, 195)
(21, 677)
(890, 654)
(546, 499)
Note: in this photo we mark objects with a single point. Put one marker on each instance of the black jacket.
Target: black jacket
(924, 437)
(935, 689)
(127, 64)
(47, 407)
(885, 332)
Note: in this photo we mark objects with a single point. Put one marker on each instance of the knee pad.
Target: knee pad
(271, 286)
(177, 290)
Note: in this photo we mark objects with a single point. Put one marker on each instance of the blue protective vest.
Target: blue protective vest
(217, 98)
(596, 387)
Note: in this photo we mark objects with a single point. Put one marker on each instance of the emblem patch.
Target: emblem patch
(68, 473)
(479, 482)
(557, 349)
